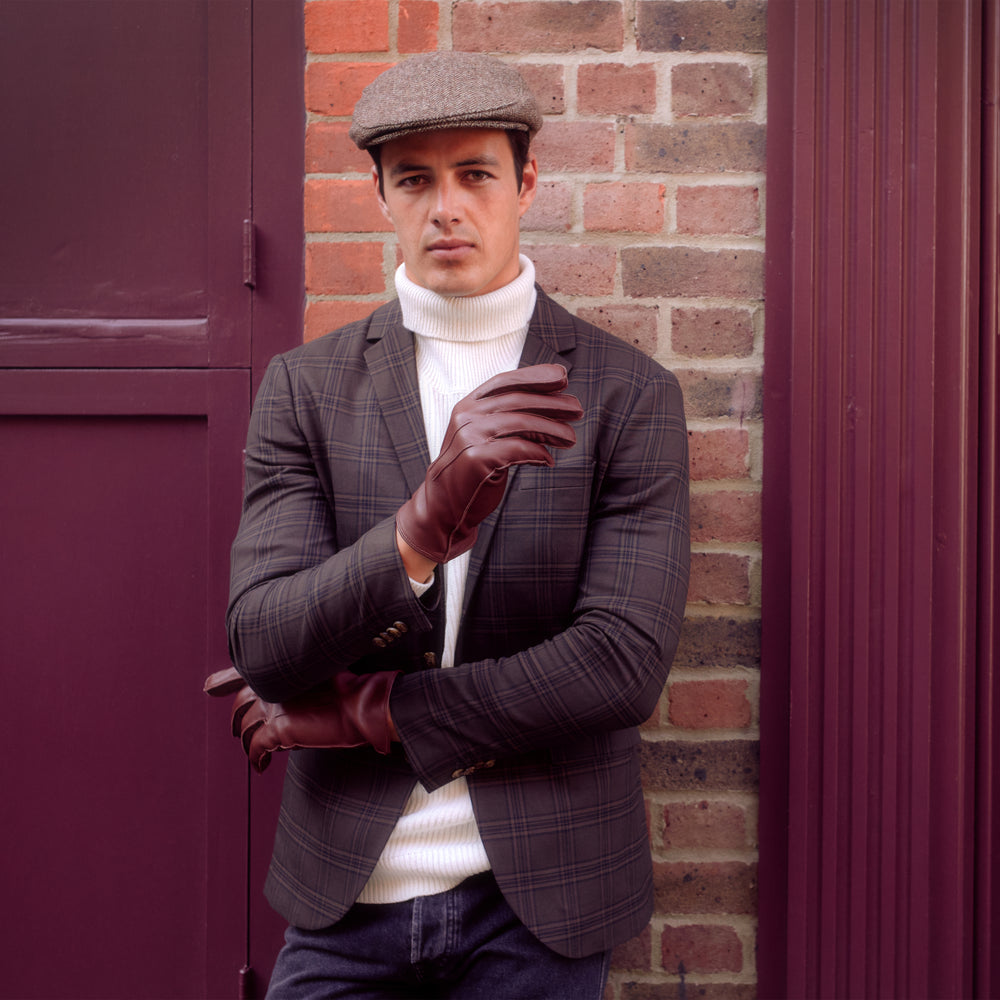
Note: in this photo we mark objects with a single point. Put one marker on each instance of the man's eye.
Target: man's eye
(478, 175)
(411, 181)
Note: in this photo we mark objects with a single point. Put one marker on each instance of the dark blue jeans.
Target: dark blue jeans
(464, 944)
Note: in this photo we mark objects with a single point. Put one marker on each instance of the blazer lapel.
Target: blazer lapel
(392, 367)
(550, 334)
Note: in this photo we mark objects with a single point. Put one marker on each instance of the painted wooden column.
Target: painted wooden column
(872, 515)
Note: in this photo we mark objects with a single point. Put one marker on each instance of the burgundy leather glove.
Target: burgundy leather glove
(352, 711)
(511, 419)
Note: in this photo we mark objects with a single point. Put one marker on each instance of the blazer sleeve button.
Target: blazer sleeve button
(378, 642)
(400, 626)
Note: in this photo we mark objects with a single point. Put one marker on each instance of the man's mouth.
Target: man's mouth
(449, 249)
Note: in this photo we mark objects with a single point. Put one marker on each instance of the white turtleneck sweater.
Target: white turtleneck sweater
(460, 342)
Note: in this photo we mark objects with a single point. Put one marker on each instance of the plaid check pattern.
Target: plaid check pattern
(572, 610)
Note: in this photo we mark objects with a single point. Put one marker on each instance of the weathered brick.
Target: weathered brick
(710, 393)
(615, 89)
(725, 516)
(634, 324)
(718, 208)
(333, 88)
(538, 26)
(712, 333)
(688, 989)
(709, 89)
(721, 453)
(617, 206)
(701, 25)
(708, 887)
(719, 642)
(548, 84)
(329, 150)
(710, 704)
(715, 765)
(719, 578)
(552, 209)
(333, 205)
(574, 270)
(417, 27)
(708, 824)
(695, 148)
(691, 271)
(344, 268)
(326, 315)
(573, 146)
(705, 948)
(347, 26)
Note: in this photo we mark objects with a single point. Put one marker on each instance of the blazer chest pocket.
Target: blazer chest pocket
(563, 478)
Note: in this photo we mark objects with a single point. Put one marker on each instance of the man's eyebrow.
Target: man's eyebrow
(483, 160)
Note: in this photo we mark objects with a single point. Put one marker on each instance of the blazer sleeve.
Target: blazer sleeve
(301, 610)
(606, 669)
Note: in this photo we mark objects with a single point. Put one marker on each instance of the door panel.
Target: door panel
(126, 183)
(114, 529)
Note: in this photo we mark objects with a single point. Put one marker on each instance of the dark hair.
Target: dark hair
(519, 145)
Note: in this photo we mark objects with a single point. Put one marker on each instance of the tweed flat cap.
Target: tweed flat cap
(437, 90)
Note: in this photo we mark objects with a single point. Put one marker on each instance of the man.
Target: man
(457, 588)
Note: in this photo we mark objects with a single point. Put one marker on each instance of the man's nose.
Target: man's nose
(446, 208)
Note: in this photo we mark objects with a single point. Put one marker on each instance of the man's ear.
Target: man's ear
(529, 186)
(381, 201)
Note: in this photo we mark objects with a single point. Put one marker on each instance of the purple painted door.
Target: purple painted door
(130, 342)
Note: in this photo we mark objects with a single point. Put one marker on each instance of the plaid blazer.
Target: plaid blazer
(573, 604)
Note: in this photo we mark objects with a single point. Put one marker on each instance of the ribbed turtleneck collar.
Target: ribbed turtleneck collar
(468, 318)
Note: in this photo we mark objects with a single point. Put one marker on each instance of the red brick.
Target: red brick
(575, 146)
(711, 887)
(719, 578)
(538, 26)
(342, 206)
(333, 88)
(547, 84)
(713, 704)
(718, 208)
(705, 824)
(689, 765)
(347, 26)
(620, 207)
(719, 454)
(694, 148)
(725, 516)
(344, 268)
(712, 333)
(574, 270)
(701, 948)
(417, 29)
(552, 209)
(331, 314)
(707, 89)
(329, 150)
(614, 89)
(634, 324)
(702, 25)
(693, 272)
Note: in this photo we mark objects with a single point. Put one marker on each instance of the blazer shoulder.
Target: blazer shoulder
(350, 340)
(593, 348)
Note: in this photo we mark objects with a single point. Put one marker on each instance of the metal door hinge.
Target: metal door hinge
(249, 253)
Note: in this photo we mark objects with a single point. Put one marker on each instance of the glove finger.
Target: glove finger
(535, 378)
(242, 704)
(252, 721)
(558, 405)
(531, 427)
(259, 756)
(223, 682)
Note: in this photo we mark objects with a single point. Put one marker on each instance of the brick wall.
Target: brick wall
(649, 222)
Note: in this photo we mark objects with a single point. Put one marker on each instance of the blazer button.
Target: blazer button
(400, 626)
(379, 642)
(430, 660)
(394, 633)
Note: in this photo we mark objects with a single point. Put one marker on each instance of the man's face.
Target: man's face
(453, 200)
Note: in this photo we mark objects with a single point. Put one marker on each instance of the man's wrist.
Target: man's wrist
(418, 567)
